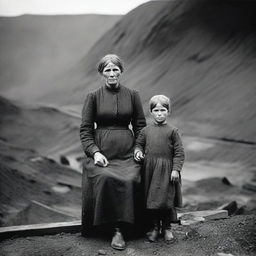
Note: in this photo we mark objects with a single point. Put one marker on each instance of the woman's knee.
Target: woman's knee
(105, 178)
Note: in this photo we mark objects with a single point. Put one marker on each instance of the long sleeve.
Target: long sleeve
(140, 142)
(138, 118)
(179, 155)
(87, 126)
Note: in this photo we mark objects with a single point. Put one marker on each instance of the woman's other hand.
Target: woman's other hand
(175, 176)
(138, 155)
(100, 159)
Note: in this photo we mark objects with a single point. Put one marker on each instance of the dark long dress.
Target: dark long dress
(109, 194)
(164, 153)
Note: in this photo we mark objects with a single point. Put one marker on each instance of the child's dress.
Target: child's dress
(164, 153)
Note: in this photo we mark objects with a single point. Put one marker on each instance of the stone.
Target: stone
(64, 160)
(101, 252)
(36, 159)
(226, 181)
(230, 207)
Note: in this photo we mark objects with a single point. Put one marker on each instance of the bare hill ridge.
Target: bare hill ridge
(28, 139)
(201, 53)
(37, 50)
(43, 129)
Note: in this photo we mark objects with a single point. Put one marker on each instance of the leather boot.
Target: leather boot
(154, 233)
(168, 235)
(167, 230)
(118, 242)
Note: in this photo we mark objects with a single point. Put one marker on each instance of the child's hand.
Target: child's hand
(175, 176)
(138, 155)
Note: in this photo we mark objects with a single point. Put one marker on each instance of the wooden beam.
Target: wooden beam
(207, 215)
(40, 229)
(76, 226)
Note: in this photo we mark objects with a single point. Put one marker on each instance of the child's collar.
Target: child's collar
(160, 124)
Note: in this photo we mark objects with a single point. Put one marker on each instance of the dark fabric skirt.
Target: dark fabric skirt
(111, 194)
(159, 191)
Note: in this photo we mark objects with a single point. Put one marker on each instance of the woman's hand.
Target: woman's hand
(138, 155)
(100, 159)
(175, 176)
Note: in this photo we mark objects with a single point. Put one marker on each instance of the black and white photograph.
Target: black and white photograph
(127, 127)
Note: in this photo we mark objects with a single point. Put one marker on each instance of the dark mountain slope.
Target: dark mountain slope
(201, 53)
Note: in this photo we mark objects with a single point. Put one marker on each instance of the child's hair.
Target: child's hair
(161, 99)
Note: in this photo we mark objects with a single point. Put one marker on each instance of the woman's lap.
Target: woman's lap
(113, 191)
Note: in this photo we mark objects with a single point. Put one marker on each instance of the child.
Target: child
(159, 146)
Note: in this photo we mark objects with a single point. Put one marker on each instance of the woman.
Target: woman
(111, 177)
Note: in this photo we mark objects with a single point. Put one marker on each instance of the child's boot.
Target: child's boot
(168, 235)
(167, 232)
(154, 233)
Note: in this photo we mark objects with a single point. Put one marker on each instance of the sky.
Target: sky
(51, 7)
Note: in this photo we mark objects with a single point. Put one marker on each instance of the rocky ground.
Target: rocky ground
(232, 236)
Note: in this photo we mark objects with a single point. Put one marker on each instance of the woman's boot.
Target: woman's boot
(118, 242)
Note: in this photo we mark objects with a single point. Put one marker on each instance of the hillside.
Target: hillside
(29, 168)
(37, 51)
(44, 129)
(201, 53)
(33, 141)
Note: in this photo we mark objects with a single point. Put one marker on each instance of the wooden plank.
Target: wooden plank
(191, 221)
(207, 215)
(75, 226)
(40, 229)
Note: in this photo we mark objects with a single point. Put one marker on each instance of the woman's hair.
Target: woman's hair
(161, 99)
(110, 58)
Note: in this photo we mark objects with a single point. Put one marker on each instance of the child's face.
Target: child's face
(160, 113)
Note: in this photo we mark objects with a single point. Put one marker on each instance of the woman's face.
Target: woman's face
(112, 74)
